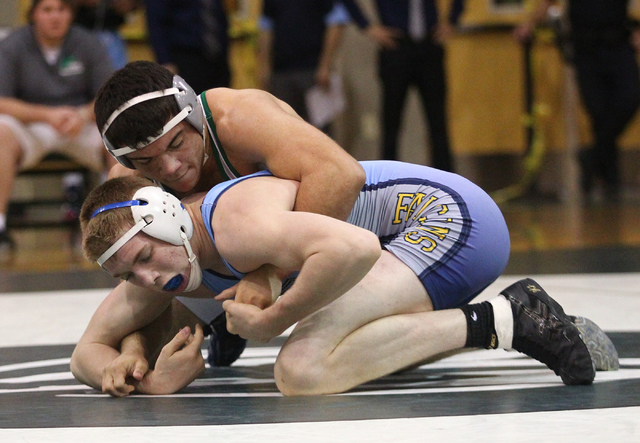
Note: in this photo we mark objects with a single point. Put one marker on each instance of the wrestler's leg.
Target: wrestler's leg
(384, 324)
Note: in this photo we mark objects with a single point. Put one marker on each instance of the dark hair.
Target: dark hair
(34, 3)
(144, 120)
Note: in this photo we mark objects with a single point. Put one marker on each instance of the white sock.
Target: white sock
(503, 320)
(3, 222)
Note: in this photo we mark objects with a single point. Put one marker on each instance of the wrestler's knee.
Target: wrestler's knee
(297, 373)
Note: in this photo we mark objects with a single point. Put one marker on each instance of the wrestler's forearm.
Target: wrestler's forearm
(331, 190)
(89, 360)
(324, 277)
(147, 342)
(135, 344)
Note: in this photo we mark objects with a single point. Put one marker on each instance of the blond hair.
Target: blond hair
(103, 230)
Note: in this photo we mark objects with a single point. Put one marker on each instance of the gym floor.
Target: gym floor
(585, 256)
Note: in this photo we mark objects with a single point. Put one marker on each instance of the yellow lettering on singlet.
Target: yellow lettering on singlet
(415, 238)
(400, 206)
(439, 232)
(417, 199)
(427, 203)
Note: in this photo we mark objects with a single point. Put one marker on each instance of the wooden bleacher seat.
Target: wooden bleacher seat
(38, 193)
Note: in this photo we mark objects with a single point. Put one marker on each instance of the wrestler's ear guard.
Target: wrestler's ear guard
(156, 213)
(190, 110)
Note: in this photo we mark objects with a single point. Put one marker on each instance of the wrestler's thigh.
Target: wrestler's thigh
(390, 288)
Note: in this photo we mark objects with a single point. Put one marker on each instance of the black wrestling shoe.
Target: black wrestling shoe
(603, 352)
(224, 347)
(543, 331)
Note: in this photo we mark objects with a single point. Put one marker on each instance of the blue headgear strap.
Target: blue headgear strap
(119, 205)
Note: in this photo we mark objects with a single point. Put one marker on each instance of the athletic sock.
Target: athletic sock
(481, 331)
(503, 321)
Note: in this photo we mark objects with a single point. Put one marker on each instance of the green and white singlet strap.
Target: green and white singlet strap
(224, 165)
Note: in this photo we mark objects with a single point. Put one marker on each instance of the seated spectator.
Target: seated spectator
(50, 72)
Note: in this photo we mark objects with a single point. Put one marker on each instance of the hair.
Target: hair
(72, 4)
(102, 231)
(144, 120)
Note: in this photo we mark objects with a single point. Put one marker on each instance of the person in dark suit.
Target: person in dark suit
(189, 37)
(411, 39)
(603, 49)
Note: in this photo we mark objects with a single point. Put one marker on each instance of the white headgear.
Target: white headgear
(161, 215)
(190, 110)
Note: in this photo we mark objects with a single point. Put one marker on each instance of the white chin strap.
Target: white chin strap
(195, 274)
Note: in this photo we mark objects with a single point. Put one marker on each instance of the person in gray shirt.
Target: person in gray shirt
(50, 72)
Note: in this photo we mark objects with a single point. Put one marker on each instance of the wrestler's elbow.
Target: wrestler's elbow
(354, 177)
(78, 368)
(372, 248)
(363, 247)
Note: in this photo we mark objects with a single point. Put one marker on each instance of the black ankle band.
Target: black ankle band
(481, 331)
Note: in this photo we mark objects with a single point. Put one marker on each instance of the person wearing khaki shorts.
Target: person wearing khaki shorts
(50, 72)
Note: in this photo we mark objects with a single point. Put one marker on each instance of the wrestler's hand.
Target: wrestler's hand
(251, 322)
(179, 363)
(259, 288)
(118, 376)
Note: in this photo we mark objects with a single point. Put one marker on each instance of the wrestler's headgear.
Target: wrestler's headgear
(160, 215)
(190, 110)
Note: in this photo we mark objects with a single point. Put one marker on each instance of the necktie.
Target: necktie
(209, 28)
(417, 28)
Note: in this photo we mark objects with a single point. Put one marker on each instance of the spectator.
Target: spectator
(411, 40)
(189, 37)
(603, 51)
(105, 17)
(50, 72)
(297, 47)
